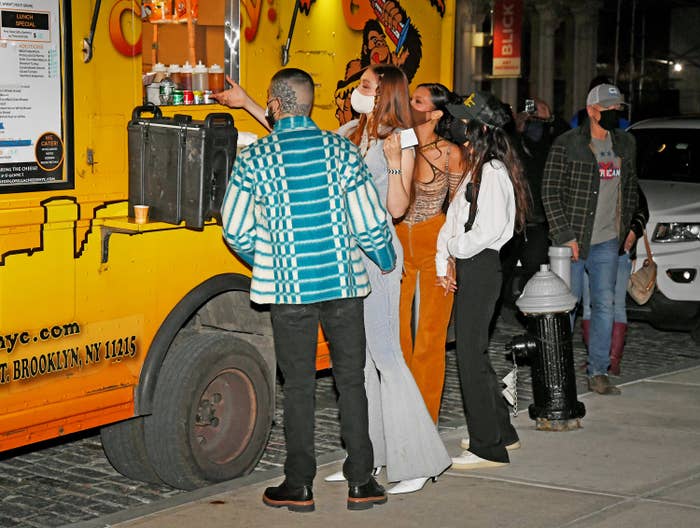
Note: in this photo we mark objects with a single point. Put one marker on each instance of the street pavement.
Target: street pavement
(634, 464)
(71, 483)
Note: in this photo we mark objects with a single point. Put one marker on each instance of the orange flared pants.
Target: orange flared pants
(424, 355)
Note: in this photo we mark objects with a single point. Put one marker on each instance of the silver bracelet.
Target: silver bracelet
(394, 171)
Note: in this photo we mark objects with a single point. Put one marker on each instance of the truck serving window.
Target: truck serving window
(190, 50)
(36, 101)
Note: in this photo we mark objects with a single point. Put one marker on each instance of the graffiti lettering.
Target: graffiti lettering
(253, 9)
(116, 30)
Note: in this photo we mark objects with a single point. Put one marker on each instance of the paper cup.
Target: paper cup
(140, 214)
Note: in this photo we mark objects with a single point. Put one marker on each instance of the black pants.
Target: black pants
(531, 249)
(488, 420)
(295, 328)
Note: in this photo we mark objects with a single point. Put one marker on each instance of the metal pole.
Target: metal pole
(642, 61)
(288, 44)
(631, 79)
(617, 40)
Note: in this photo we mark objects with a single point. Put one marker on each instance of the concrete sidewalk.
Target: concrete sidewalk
(635, 463)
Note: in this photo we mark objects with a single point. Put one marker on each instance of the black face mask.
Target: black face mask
(534, 130)
(269, 117)
(454, 130)
(609, 119)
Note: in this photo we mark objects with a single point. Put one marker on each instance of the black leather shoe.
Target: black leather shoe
(365, 496)
(294, 499)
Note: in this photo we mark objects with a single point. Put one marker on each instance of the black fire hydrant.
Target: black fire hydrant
(546, 301)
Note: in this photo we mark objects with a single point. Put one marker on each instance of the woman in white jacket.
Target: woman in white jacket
(490, 203)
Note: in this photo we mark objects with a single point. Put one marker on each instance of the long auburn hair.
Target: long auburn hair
(487, 143)
(391, 106)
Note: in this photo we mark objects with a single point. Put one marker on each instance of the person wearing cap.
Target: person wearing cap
(589, 193)
(490, 203)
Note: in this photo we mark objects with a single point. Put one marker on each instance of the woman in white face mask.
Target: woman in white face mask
(403, 434)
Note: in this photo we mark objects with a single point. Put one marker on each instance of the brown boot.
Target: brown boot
(601, 384)
(617, 346)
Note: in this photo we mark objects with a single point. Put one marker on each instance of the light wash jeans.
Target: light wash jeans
(601, 267)
(624, 268)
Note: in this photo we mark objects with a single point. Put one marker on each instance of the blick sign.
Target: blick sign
(507, 31)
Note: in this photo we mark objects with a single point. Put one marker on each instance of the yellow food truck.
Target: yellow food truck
(144, 327)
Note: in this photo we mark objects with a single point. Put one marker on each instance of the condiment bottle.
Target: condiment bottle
(216, 78)
(175, 75)
(200, 77)
(186, 76)
(160, 72)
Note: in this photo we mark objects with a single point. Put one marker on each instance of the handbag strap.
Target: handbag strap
(647, 246)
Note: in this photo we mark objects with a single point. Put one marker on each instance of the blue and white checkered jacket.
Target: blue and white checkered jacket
(299, 206)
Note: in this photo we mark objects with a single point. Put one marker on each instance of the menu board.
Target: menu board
(32, 143)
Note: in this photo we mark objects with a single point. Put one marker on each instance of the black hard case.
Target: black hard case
(180, 167)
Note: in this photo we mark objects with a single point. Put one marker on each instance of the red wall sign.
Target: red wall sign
(507, 32)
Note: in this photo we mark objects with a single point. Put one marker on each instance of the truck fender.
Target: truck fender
(173, 323)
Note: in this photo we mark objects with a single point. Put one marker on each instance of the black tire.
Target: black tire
(125, 446)
(212, 411)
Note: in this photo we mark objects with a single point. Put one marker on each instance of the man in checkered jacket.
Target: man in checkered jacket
(300, 207)
(589, 193)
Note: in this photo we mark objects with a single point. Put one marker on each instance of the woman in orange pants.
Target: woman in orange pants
(438, 169)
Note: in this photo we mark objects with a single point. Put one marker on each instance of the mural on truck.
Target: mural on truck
(388, 37)
(389, 19)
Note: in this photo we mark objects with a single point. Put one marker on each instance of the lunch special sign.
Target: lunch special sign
(32, 149)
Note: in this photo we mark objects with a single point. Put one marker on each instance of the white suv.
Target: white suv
(668, 166)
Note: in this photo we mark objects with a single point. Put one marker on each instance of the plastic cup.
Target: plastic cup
(140, 214)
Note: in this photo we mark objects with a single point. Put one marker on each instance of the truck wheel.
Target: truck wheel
(212, 411)
(125, 447)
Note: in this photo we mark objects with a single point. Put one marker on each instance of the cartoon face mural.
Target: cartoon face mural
(391, 23)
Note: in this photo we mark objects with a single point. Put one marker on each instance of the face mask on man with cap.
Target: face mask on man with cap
(606, 100)
(609, 119)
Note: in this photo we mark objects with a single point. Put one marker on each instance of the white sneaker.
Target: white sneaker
(339, 477)
(409, 486)
(464, 444)
(469, 460)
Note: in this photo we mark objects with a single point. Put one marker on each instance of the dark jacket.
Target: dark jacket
(534, 156)
(639, 220)
(571, 183)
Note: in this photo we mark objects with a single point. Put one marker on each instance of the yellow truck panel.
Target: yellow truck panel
(138, 327)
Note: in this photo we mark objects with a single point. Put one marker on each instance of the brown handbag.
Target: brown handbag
(643, 281)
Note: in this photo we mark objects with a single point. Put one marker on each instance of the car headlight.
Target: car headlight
(676, 232)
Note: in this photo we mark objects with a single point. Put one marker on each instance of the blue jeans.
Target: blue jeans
(601, 267)
(624, 268)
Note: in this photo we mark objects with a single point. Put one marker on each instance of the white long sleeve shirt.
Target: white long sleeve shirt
(494, 222)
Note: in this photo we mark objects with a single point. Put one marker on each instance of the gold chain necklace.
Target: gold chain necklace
(433, 144)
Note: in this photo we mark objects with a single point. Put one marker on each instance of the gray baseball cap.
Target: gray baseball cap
(605, 95)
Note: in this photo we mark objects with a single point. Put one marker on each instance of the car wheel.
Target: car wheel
(212, 411)
(125, 447)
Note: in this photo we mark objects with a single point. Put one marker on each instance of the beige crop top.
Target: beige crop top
(430, 196)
